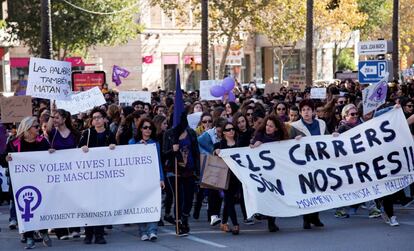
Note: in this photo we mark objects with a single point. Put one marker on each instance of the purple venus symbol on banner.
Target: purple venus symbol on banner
(380, 92)
(28, 195)
(117, 73)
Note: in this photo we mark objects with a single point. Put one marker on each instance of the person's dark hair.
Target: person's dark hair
(158, 119)
(127, 110)
(138, 102)
(217, 112)
(98, 109)
(202, 116)
(281, 131)
(235, 131)
(138, 136)
(307, 102)
(258, 114)
(280, 103)
(234, 107)
(236, 117)
(294, 108)
(220, 122)
(68, 122)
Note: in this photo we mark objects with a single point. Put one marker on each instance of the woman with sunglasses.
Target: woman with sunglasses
(281, 111)
(28, 140)
(146, 134)
(229, 141)
(271, 130)
(206, 123)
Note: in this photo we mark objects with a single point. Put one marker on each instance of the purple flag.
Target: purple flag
(117, 73)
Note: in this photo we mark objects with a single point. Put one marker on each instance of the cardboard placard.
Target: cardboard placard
(215, 173)
(297, 82)
(15, 108)
(272, 88)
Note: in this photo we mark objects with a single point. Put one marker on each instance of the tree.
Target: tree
(283, 22)
(379, 13)
(335, 23)
(74, 30)
(228, 20)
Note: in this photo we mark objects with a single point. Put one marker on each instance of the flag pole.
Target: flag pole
(176, 197)
(178, 110)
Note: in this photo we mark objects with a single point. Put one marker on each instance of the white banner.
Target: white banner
(82, 101)
(295, 177)
(70, 188)
(205, 86)
(128, 97)
(49, 79)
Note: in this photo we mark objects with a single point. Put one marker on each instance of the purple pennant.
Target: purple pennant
(117, 73)
(380, 91)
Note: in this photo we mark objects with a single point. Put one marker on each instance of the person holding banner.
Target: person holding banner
(229, 141)
(310, 126)
(206, 143)
(146, 134)
(62, 135)
(271, 130)
(28, 140)
(96, 136)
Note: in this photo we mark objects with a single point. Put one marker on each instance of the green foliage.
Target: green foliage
(379, 13)
(74, 30)
(346, 60)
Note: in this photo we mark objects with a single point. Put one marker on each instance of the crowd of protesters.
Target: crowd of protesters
(252, 119)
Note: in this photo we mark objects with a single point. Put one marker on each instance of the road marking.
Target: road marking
(196, 239)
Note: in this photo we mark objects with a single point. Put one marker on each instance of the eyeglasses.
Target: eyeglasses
(353, 114)
(146, 127)
(36, 126)
(229, 129)
(96, 117)
(341, 102)
(207, 121)
(281, 109)
(249, 114)
(410, 106)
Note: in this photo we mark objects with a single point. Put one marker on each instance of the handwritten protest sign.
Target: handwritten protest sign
(15, 108)
(318, 93)
(49, 79)
(374, 95)
(297, 82)
(82, 101)
(316, 173)
(128, 97)
(3, 180)
(41, 180)
(272, 88)
(205, 86)
(193, 119)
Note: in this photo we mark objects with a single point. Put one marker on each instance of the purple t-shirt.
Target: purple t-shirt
(59, 143)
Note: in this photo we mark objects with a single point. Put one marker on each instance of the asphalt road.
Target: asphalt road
(355, 233)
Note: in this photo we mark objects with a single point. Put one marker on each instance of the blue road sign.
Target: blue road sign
(373, 71)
